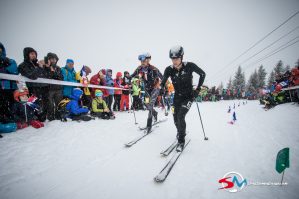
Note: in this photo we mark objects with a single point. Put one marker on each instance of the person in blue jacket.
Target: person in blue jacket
(76, 111)
(7, 87)
(109, 82)
(69, 75)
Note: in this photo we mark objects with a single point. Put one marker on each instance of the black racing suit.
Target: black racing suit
(182, 81)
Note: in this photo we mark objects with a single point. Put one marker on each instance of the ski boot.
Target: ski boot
(149, 125)
(180, 147)
(155, 114)
(181, 142)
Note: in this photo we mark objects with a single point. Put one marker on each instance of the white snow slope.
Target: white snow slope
(88, 160)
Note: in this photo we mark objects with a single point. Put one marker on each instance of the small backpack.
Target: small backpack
(63, 113)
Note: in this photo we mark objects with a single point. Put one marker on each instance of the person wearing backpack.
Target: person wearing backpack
(77, 112)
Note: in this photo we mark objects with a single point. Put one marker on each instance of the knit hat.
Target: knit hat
(98, 93)
(69, 61)
(119, 74)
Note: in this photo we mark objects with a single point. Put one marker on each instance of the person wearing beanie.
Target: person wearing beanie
(69, 75)
(33, 69)
(82, 77)
(55, 91)
(99, 107)
(117, 93)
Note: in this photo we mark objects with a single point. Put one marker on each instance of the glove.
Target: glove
(196, 92)
(36, 124)
(5, 61)
(162, 91)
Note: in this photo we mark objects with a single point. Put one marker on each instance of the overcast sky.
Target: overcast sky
(111, 34)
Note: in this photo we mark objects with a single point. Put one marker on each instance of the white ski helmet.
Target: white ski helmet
(176, 52)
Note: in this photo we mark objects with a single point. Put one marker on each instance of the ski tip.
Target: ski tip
(127, 145)
(158, 181)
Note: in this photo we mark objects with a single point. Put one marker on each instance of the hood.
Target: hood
(52, 55)
(134, 80)
(118, 74)
(77, 92)
(84, 70)
(69, 69)
(3, 50)
(27, 51)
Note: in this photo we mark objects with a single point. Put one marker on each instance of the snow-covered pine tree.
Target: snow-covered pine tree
(261, 74)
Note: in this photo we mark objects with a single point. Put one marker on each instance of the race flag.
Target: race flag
(282, 160)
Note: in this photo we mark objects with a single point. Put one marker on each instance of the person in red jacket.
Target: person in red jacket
(117, 93)
(98, 79)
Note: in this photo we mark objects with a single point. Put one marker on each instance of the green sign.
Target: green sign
(282, 160)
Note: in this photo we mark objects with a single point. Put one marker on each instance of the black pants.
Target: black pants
(181, 108)
(116, 105)
(83, 117)
(55, 96)
(6, 102)
(109, 100)
(86, 100)
(137, 103)
(42, 94)
(102, 115)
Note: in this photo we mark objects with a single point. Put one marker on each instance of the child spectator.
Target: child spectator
(83, 79)
(77, 112)
(25, 109)
(136, 94)
(117, 93)
(100, 108)
(125, 93)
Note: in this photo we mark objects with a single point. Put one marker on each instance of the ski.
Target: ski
(131, 143)
(161, 177)
(155, 123)
(167, 151)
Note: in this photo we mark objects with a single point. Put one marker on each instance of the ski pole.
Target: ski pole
(166, 112)
(205, 138)
(133, 107)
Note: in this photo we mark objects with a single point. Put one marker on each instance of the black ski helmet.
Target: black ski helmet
(176, 52)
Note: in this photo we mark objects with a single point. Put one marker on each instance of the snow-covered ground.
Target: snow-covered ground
(88, 159)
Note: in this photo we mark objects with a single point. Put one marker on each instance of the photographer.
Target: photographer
(7, 66)
(33, 69)
(55, 91)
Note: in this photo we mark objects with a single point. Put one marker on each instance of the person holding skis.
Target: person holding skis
(181, 76)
